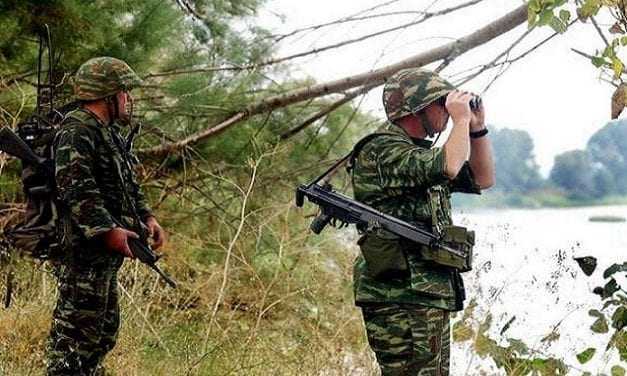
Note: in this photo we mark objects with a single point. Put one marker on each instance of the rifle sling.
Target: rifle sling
(350, 157)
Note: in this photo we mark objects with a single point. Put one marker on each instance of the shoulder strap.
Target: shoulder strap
(349, 157)
(352, 157)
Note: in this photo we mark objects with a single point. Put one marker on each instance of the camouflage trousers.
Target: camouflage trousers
(85, 321)
(409, 339)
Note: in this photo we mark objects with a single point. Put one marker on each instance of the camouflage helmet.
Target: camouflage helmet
(410, 90)
(101, 77)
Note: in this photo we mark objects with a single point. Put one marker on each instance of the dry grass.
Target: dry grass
(257, 295)
(286, 310)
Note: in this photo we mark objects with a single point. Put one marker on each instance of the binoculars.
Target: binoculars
(475, 103)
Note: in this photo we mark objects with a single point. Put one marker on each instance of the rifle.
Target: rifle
(338, 207)
(142, 251)
(146, 255)
(139, 247)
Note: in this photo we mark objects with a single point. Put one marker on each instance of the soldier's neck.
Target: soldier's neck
(413, 127)
(99, 109)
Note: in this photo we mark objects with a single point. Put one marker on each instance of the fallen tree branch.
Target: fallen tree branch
(376, 77)
(325, 111)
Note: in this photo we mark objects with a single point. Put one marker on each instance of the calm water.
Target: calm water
(524, 268)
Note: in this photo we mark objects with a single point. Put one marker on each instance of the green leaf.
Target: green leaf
(615, 43)
(545, 17)
(598, 61)
(619, 318)
(484, 345)
(620, 342)
(589, 8)
(531, 19)
(557, 25)
(617, 67)
(534, 6)
(618, 371)
(462, 332)
(585, 356)
(600, 325)
(616, 267)
(486, 324)
(564, 15)
(609, 51)
(610, 288)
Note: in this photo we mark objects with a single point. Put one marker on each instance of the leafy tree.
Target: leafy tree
(573, 171)
(516, 167)
(608, 147)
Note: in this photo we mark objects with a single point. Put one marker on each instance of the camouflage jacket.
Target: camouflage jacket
(406, 178)
(87, 156)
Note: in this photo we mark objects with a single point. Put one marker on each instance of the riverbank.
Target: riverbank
(532, 200)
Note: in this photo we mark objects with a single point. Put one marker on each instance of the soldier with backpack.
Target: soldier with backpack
(98, 190)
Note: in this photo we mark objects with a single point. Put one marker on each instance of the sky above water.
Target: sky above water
(553, 93)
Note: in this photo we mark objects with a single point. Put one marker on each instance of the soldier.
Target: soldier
(406, 299)
(97, 187)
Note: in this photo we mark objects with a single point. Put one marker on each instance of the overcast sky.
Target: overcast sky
(552, 93)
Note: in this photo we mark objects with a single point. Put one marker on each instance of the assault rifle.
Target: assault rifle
(336, 207)
(142, 251)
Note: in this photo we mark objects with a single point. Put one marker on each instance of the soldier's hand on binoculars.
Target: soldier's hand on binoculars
(458, 106)
(116, 240)
(477, 121)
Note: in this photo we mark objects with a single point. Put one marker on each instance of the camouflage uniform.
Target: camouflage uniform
(406, 301)
(88, 160)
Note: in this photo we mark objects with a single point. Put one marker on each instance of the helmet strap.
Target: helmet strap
(437, 138)
(426, 123)
(112, 100)
(132, 107)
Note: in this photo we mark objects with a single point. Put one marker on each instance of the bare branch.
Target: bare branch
(426, 16)
(325, 111)
(505, 64)
(376, 77)
(588, 56)
(352, 17)
(494, 61)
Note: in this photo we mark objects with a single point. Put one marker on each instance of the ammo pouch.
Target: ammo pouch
(453, 250)
(384, 255)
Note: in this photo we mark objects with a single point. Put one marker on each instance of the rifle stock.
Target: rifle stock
(12, 144)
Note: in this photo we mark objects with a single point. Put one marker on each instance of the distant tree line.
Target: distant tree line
(597, 171)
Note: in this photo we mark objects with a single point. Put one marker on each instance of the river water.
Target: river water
(524, 267)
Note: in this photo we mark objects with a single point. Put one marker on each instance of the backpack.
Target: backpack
(38, 233)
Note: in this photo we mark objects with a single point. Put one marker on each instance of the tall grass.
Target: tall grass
(257, 294)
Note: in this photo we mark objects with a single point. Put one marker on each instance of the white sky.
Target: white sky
(552, 93)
